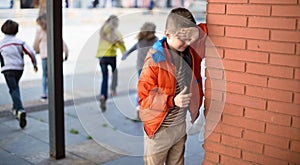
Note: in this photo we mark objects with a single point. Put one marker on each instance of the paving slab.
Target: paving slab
(9, 159)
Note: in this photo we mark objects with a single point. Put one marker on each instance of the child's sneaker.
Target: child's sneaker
(43, 99)
(14, 112)
(22, 118)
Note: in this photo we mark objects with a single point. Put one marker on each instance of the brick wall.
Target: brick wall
(253, 86)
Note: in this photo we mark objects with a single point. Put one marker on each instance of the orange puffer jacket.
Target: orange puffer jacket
(157, 83)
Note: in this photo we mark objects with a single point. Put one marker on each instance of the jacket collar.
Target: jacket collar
(159, 55)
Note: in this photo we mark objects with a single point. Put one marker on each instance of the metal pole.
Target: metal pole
(55, 79)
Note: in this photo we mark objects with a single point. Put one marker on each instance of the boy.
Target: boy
(12, 64)
(169, 85)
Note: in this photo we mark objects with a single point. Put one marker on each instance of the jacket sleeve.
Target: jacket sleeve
(28, 50)
(152, 100)
(121, 46)
(128, 52)
(199, 45)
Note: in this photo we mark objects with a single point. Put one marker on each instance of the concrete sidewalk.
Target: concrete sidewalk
(104, 144)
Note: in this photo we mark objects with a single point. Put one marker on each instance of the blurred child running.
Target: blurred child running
(40, 47)
(12, 51)
(146, 38)
(110, 40)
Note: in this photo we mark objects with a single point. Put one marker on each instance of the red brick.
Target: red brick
(241, 32)
(213, 115)
(207, 103)
(215, 137)
(217, 147)
(233, 110)
(243, 55)
(214, 73)
(282, 154)
(229, 130)
(296, 122)
(244, 123)
(215, 30)
(246, 101)
(235, 88)
(297, 74)
(286, 60)
(243, 144)
(207, 162)
(216, 106)
(271, 94)
(285, 10)
(298, 47)
(234, 65)
(213, 52)
(270, 46)
(295, 146)
(267, 116)
(244, 78)
(212, 156)
(270, 70)
(230, 20)
(268, 139)
(212, 118)
(298, 23)
(297, 98)
(210, 127)
(229, 160)
(215, 8)
(273, 22)
(245, 9)
(262, 159)
(273, 2)
(213, 94)
(222, 85)
(228, 42)
(281, 131)
(283, 35)
(284, 84)
(214, 63)
(229, 1)
(284, 108)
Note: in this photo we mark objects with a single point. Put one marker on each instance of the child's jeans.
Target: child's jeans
(12, 78)
(45, 77)
(104, 62)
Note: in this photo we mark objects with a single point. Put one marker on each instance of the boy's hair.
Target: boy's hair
(10, 27)
(179, 18)
(42, 21)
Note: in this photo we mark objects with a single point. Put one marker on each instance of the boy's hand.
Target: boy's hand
(183, 100)
(35, 68)
(189, 35)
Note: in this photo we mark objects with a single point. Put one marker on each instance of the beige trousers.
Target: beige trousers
(167, 146)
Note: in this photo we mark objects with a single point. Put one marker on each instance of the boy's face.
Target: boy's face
(175, 43)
